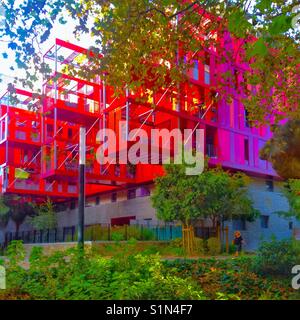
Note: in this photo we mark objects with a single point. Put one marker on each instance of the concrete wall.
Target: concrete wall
(139, 207)
(268, 203)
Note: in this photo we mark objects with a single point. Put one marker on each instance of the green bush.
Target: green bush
(76, 275)
(201, 246)
(117, 236)
(214, 246)
(176, 243)
(276, 257)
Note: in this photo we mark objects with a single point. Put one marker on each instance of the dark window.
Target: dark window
(97, 200)
(207, 68)
(73, 205)
(247, 124)
(270, 185)
(145, 192)
(246, 149)
(239, 224)
(122, 221)
(131, 194)
(70, 133)
(114, 197)
(264, 222)
(196, 70)
(291, 225)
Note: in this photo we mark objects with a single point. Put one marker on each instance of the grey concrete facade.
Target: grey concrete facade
(267, 201)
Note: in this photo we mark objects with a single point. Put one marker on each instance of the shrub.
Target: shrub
(117, 236)
(200, 245)
(276, 257)
(176, 243)
(214, 246)
(76, 275)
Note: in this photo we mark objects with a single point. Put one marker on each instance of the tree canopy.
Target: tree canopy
(215, 194)
(45, 216)
(283, 150)
(292, 192)
(148, 39)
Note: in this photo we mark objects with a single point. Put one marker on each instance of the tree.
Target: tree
(283, 150)
(14, 208)
(146, 41)
(292, 192)
(45, 217)
(4, 213)
(215, 194)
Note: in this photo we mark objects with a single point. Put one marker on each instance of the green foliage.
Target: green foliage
(215, 194)
(117, 236)
(15, 252)
(214, 246)
(45, 218)
(135, 36)
(276, 257)
(292, 192)
(200, 246)
(283, 151)
(15, 208)
(233, 279)
(4, 212)
(69, 275)
(100, 233)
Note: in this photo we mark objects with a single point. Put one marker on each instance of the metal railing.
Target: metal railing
(98, 232)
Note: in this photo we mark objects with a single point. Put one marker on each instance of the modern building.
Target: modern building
(39, 143)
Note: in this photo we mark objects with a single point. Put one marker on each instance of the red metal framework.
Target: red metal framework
(39, 135)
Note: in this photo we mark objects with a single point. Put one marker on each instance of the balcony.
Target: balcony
(75, 100)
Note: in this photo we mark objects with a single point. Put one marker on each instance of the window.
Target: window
(207, 68)
(114, 197)
(247, 124)
(70, 133)
(131, 194)
(196, 70)
(270, 185)
(97, 200)
(264, 222)
(145, 192)
(73, 205)
(246, 149)
(207, 74)
(239, 224)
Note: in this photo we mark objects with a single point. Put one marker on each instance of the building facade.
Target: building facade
(39, 140)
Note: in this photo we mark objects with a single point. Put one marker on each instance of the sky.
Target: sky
(64, 32)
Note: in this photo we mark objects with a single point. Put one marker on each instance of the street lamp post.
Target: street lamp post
(81, 198)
